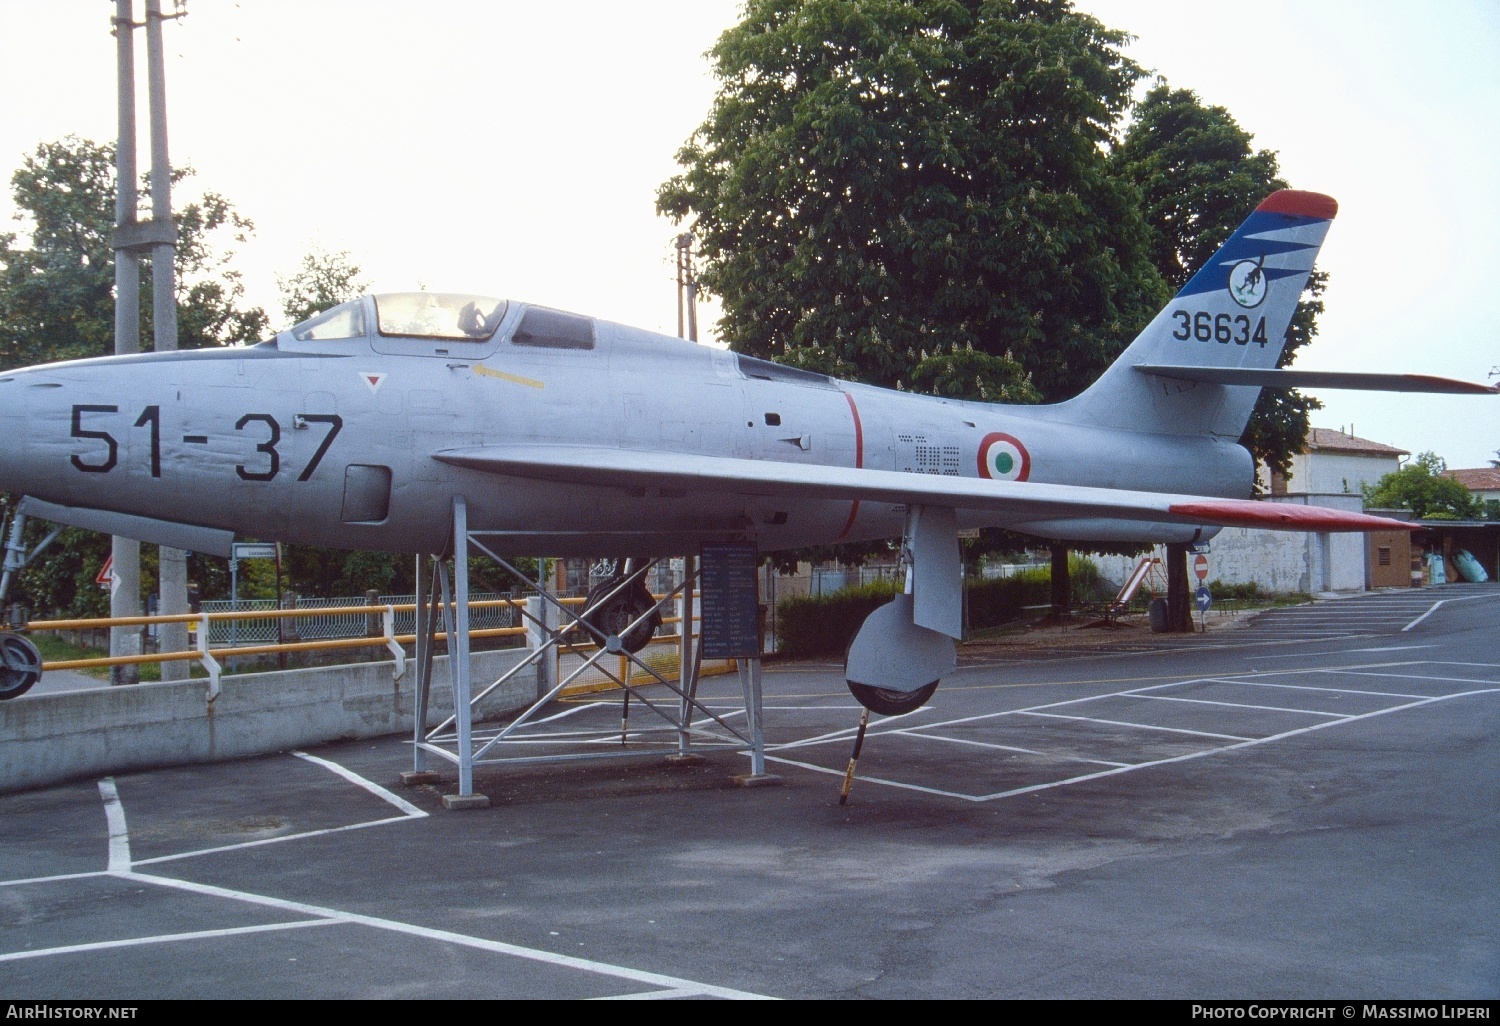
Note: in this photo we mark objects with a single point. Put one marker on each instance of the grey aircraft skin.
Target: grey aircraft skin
(570, 436)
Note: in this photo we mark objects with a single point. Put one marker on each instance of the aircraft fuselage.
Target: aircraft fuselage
(331, 442)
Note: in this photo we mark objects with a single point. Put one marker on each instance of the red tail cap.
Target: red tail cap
(1300, 204)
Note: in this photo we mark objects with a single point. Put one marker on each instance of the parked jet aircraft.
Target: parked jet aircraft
(573, 436)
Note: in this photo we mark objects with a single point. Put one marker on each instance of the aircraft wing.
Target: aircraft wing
(1283, 378)
(633, 468)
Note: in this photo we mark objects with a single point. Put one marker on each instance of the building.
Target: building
(1337, 463)
(1484, 482)
(1331, 470)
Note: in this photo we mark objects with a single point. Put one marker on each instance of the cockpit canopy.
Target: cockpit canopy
(435, 315)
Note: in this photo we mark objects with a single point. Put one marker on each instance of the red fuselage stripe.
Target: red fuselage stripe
(859, 462)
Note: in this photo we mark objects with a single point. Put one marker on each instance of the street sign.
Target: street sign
(253, 550)
(106, 576)
(1200, 567)
(1203, 598)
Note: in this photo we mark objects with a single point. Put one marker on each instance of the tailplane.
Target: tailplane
(1232, 315)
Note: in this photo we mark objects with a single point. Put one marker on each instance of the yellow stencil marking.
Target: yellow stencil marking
(528, 382)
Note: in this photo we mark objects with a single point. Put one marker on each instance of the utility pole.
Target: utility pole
(173, 562)
(687, 289)
(125, 553)
(156, 238)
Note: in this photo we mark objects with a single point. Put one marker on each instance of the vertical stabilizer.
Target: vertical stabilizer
(1234, 312)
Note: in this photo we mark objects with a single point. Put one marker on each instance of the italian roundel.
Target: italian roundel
(1002, 457)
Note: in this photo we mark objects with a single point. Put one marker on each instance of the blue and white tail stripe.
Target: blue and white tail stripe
(1233, 313)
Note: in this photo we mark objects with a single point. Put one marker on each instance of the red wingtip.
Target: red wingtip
(1300, 204)
(1285, 516)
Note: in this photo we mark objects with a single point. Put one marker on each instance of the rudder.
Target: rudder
(1234, 312)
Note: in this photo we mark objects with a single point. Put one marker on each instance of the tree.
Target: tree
(57, 303)
(1199, 179)
(323, 280)
(57, 293)
(1421, 487)
(916, 194)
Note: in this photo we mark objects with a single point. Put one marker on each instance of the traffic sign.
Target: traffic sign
(1200, 567)
(1203, 598)
(254, 550)
(106, 576)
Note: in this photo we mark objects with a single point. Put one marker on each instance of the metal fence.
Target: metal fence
(334, 624)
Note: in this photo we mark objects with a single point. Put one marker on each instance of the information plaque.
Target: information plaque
(730, 600)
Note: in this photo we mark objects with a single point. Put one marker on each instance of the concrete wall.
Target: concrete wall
(47, 738)
(1278, 561)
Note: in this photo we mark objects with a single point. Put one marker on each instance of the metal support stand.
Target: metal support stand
(426, 630)
(689, 662)
(751, 689)
(557, 628)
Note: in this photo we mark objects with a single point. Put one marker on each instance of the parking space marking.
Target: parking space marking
(119, 835)
(27, 880)
(685, 987)
(196, 853)
(121, 867)
(1234, 705)
(165, 938)
(1309, 687)
(1003, 748)
(369, 785)
(1141, 726)
(1413, 676)
(930, 731)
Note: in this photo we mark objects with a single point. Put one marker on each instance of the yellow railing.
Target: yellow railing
(387, 639)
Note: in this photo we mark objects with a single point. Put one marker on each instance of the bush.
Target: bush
(824, 625)
(1004, 599)
(1249, 591)
(815, 625)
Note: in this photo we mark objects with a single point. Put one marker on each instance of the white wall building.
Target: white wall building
(1330, 471)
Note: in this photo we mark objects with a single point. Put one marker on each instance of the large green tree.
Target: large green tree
(1199, 178)
(916, 193)
(1421, 487)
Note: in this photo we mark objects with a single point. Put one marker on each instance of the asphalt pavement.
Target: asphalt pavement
(1304, 807)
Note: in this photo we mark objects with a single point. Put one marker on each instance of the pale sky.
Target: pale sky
(515, 149)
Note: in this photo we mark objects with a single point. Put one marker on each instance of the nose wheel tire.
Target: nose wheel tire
(891, 703)
(20, 666)
(612, 619)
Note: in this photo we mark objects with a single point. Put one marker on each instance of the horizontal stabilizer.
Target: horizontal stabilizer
(156, 532)
(1027, 500)
(1273, 378)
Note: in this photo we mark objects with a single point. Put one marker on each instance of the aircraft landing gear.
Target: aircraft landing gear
(618, 611)
(888, 702)
(20, 666)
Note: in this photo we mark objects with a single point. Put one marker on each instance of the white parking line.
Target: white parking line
(165, 938)
(119, 836)
(688, 987)
(917, 732)
(1247, 743)
(1309, 687)
(271, 840)
(1418, 676)
(369, 785)
(1235, 705)
(1140, 726)
(1435, 607)
(120, 868)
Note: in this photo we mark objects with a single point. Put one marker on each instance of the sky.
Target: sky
(515, 150)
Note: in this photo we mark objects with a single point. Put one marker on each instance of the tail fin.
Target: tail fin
(1234, 312)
